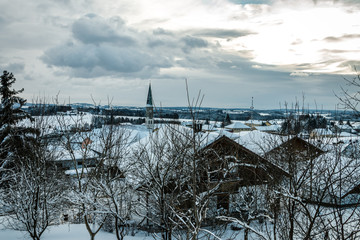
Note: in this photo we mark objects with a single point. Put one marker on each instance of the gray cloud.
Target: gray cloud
(344, 37)
(297, 42)
(94, 29)
(161, 31)
(336, 51)
(193, 42)
(105, 59)
(2, 21)
(162, 38)
(353, 64)
(14, 67)
(243, 2)
(221, 33)
(350, 2)
(106, 47)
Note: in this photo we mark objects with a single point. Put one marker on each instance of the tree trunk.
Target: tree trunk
(291, 218)
(246, 234)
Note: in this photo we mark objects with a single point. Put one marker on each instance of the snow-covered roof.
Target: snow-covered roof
(237, 125)
(271, 128)
(341, 172)
(166, 132)
(343, 127)
(54, 123)
(209, 127)
(78, 170)
(225, 132)
(322, 132)
(259, 142)
(255, 122)
(346, 134)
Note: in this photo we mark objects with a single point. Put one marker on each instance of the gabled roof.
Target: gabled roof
(224, 140)
(297, 144)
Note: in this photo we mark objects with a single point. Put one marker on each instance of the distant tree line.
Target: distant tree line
(47, 110)
(99, 121)
(124, 112)
(303, 123)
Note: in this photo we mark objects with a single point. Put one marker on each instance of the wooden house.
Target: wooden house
(229, 166)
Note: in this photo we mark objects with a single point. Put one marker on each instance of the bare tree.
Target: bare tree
(112, 179)
(35, 186)
(350, 95)
(75, 146)
(161, 167)
(35, 195)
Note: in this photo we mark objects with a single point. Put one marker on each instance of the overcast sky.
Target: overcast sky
(273, 50)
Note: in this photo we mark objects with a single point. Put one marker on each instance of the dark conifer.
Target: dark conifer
(14, 140)
(227, 120)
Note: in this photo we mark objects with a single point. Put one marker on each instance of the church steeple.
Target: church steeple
(149, 101)
(149, 120)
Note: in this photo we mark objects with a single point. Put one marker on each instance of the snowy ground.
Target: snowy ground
(68, 232)
(78, 232)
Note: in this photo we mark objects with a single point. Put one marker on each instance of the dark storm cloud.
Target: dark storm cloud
(94, 29)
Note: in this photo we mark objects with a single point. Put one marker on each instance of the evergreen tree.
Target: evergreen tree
(13, 139)
(227, 120)
(348, 123)
(323, 123)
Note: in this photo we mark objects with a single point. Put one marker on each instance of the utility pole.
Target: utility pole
(252, 113)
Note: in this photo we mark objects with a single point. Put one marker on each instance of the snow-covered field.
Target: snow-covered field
(67, 232)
